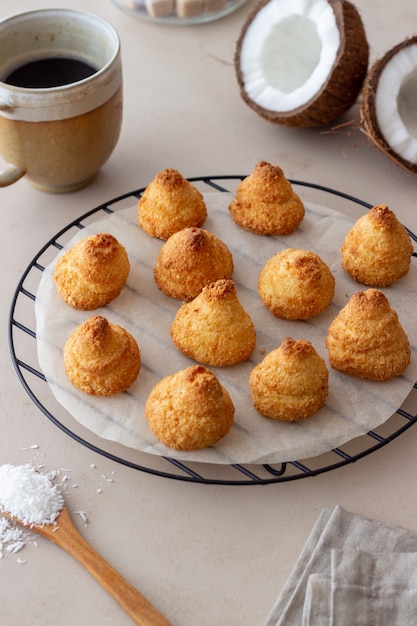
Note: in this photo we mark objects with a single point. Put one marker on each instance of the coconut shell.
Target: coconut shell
(344, 82)
(369, 121)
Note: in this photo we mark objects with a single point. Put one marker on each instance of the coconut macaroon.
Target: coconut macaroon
(377, 249)
(92, 272)
(265, 202)
(296, 284)
(366, 338)
(101, 358)
(214, 328)
(189, 260)
(291, 383)
(169, 204)
(189, 410)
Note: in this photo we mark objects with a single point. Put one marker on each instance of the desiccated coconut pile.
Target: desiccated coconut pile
(29, 495)
(32, 495)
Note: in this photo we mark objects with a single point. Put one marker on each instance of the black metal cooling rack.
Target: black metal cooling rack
(22, 344)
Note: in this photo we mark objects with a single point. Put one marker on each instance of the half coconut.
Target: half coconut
(389, 106)
(301, 63)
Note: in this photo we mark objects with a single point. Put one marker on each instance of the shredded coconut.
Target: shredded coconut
(15, 547)
(83, 516)
(29, 495)
(12, 538)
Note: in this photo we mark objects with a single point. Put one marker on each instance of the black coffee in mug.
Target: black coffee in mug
(49, 72)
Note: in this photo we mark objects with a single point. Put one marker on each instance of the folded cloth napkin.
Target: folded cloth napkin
(317, 607)
(351, 570)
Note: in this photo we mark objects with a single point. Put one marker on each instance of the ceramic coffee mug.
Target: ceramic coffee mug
(60, 97)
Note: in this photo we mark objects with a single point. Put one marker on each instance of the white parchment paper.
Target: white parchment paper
(353, 406)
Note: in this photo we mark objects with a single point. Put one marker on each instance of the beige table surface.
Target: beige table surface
(206, 555)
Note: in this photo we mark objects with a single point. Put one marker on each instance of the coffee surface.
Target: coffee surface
(50, 72)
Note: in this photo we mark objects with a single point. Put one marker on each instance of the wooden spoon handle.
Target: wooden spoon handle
(133, 602)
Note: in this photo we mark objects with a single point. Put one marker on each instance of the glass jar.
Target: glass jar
(179, 12)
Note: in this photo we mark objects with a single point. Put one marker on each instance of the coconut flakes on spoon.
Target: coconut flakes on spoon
(29, 495)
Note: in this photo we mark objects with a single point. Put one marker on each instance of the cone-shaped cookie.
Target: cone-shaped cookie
(169, 204)
(189, 410)
(92, 273)
(291, 383)
(189, 260)
(101, 358)
(366, 338)
(296, 284)
(214, 328)
(377, 249)
(265, 202)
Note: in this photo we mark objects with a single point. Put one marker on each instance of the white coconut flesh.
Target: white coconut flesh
(300, 45)
(396, 103)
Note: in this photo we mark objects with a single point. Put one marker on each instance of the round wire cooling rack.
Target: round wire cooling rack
(23, 350)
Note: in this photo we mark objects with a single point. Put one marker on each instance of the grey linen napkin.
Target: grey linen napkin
(351, 570)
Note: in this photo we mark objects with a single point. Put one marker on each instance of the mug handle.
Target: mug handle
(10, 174)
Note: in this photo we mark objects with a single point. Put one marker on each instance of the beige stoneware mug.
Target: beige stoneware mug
(60, 97)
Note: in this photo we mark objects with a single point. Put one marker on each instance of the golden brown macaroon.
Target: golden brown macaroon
(169, 204)
(189, 260)
(101, 358)
(296, 284)
(265, 202)
(291, 383)
(214, 328)
(189, 410)
(92, 272)
(366, 338)
(377, 249)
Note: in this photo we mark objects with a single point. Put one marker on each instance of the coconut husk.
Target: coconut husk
(345, 80)
(369, 122)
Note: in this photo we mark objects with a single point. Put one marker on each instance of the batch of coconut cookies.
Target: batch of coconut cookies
(190, 409)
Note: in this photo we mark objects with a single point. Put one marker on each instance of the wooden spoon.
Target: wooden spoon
(65, 535)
